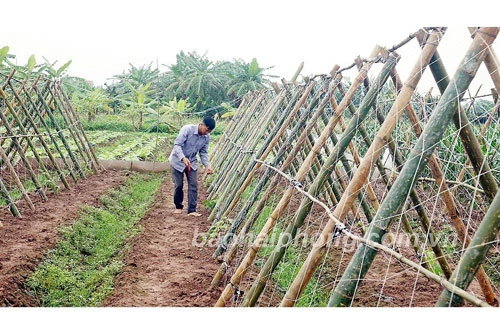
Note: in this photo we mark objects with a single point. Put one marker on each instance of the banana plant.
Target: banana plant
(138, 101)
(91, 103)
(173, 109)
(229, 111)
(4, 52)
(51, 70)
(21, 71)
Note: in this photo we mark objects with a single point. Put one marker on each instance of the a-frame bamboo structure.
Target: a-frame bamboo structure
(369, 162)
(42, 143)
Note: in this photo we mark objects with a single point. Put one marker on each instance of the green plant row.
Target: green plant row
(79, 271)
(132, 146)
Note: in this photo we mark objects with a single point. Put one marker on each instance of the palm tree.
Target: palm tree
(244, 77)
(139, 75)
(197, 79)
(135, 89)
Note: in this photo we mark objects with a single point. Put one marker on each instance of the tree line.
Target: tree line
(194, 84)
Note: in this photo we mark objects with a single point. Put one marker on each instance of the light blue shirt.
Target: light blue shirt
(188, 144)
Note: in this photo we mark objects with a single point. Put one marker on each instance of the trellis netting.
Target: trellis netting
(364, 192)
(42, 143)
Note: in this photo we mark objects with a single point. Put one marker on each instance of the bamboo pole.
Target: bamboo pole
(447, 197)
(329, 182)
(492, 63)
(12, 205)
(237, 132)
(263, 181)
(223, 142)
(398, 256)
(306, 204)
(229, 129)
(24, 129)
(76, 119)
(15, 140)
(278, 211)
(245, 137)
(30, 120)
(72, 127)
(417, 160)
(18, 182)
(297, 72)
(60, 134)
(288, 163)
(38, 112)
(487, 124)
(8, 82)
(360, 178)
(243, 163)
(466, 132)
(474, 255)
(265, 149)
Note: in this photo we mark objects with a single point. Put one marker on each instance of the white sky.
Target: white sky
(103, 37)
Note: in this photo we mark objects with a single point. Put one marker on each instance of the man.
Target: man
(192, 140)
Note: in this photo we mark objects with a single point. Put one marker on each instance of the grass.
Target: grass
(80, 270)
(314, 295)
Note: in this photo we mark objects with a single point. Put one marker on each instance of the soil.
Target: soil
(165, 266)
(24, 241)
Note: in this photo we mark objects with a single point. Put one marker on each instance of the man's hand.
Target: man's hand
(209, 170)
(186, 162)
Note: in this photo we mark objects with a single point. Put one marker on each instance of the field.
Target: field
(104, 241)
(326, 192)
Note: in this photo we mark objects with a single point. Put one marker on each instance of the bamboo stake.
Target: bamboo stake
(492, 64)
(40, 114)
(231, 182)
(12, 205)
(297, 72)
(447, 197)
(493, 111)
(288, 163)
(265, 149)
(306, 204)
(262, 182)
(72, 126)
(8, 82)
(360, 178)
(236, 132)
(247, 140)
(76, 119)
(60, 134)
(329, 182)
(229, 128)
(25, 161)
(419, 156)
(278, 211)
(421, 212)
(466, 132)
(41, 140)
(24, 130)
(18, 182)
(398, 256)
(474, 255)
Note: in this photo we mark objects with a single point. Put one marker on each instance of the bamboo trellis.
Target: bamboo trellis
(332, 144)
(42, 141)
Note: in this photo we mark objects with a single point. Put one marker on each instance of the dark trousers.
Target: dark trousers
(192, 180)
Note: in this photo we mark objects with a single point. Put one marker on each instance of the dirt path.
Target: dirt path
(24, 241)
(163, 266)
